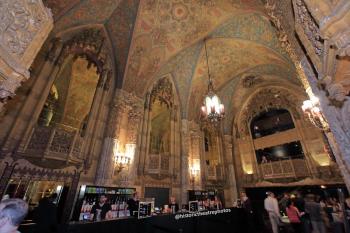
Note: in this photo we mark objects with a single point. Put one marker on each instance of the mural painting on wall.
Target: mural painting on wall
(71, 95)
(161, 103)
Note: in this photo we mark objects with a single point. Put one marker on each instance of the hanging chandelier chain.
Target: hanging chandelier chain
(210, 84)
(212, 109)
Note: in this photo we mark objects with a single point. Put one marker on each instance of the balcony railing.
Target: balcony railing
(58, 142)
(284, 169)
(159, 163)
(214, 172)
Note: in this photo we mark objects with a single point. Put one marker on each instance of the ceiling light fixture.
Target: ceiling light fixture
(212, 109)
(311, 109)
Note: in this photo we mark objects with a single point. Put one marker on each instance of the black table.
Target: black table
(230, 222)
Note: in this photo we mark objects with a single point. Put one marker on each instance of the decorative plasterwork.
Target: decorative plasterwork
(250, 81)
(24, 26)
(163, 91)
(275, 18)
(89, 44)
(23, 168)
(129, 103)
(305, 22)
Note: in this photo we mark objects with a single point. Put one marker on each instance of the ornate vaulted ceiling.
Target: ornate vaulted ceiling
(154, 38)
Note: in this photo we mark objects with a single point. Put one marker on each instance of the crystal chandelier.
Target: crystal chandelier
(311, 109)
(212, 109)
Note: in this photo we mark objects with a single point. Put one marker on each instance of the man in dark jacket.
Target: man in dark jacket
(45, 215)
(314, 210)
(247, 206)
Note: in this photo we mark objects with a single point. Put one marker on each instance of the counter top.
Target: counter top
(231, 220)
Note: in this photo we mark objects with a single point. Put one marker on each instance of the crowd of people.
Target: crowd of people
(308, 214)
(292, 212)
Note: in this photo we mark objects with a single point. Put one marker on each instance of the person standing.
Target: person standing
(314, 210)
(284, 202)
(247, 206)
(45, 215)
(101, 210)
(133, 204)
(217, 203)
(294, 217)
(173, 206)
(12, 213)
(271, 206)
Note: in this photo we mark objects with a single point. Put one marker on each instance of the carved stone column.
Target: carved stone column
(196, 155)
(184, 161)
(125, 105)
(33, 105)
(231, 193)
(143, 135)
(129, 135)
(97, 115)
(338, 119)
(25, 25)
(105, 167)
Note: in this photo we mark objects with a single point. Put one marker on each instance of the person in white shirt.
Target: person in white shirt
(271, 206)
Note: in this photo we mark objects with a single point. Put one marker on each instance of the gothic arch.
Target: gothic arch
(161, 165)
(264, 98)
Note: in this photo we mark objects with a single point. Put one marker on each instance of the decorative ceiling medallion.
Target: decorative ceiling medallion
(179, 11)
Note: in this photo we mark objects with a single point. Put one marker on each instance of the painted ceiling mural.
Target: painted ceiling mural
(154, 38)
(165, 27)
(233, 48)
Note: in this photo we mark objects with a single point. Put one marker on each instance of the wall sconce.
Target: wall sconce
(249, 172)
(122, 159)
(311, 109)
(194, 172)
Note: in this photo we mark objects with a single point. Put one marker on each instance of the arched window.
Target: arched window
(71, 96)
(161, 127)
(271, 122)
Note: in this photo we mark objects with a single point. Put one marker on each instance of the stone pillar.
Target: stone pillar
(133, 125)
(37, 97)
(98, 113)
(142, 150)
(105, 166)
(126, 110)
(339, 121)
(231, 192)
(184, 161)
(195, 154)
(25, 25)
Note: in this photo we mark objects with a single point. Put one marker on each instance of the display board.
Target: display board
(193, 206)
(145, 209)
